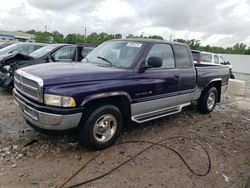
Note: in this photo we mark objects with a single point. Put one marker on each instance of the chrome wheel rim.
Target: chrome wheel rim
(211, 101)
(105, 128)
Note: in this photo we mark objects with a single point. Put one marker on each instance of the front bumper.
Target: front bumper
(48, 118)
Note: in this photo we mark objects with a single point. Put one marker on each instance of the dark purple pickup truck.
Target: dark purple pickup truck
(120, 81)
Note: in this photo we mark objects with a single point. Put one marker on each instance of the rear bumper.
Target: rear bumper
(55, 119)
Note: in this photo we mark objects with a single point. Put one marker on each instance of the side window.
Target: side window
(182, 55)
(64, 54)
(206, 57)
(222, 61)
(86, 51)
(216, 59)
(165, 52)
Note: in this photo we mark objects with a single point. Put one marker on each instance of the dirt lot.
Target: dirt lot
(30, 159)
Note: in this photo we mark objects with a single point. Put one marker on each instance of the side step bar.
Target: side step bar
(158, 113)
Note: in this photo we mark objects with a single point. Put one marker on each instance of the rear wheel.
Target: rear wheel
(208, 100)
(102, 127)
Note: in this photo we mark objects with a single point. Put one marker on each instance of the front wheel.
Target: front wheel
(102, 127)
(208, 100)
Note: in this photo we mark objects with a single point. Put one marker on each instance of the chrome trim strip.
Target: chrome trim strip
(17, 80)
(104, 95)
(165, 95)
(31, 77)
(216, 79)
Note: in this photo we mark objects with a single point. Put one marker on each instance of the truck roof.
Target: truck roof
(144, 40)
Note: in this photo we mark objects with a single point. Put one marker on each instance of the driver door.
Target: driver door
(156, 88)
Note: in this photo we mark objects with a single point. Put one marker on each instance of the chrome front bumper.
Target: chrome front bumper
(48, 121)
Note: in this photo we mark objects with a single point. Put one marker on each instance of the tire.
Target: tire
(208, 100)
(102, 127)
(232, 76)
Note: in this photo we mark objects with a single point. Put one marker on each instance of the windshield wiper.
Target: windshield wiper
(104, 59)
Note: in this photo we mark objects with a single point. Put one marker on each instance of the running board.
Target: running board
(158, 113)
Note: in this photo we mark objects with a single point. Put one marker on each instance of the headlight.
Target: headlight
(62, 101)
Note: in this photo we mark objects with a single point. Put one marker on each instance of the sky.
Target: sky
(217, 23)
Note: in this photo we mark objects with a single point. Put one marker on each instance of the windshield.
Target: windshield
(9, 48)
(119, 54)
(43, 51)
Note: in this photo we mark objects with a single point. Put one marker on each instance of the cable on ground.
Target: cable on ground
(153, 144)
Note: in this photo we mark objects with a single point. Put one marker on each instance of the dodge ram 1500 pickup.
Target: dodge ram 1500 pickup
(121, 80)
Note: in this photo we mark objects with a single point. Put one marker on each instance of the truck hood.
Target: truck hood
(63, 73)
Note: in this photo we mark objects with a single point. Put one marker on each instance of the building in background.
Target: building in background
(16, 36)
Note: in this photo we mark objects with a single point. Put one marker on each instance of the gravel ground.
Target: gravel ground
(31, 159)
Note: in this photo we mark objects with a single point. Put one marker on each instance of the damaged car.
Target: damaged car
(51, 53)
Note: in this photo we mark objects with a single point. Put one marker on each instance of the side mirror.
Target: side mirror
(228, 63)
(154, 62)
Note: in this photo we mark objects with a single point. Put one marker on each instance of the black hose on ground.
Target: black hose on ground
(153, 144)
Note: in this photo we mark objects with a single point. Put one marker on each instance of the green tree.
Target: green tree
(71, 38)
(155, 37)
(180, 40)
(57, 37)
(194, 44)
(239, 48)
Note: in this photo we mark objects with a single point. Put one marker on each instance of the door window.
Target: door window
(64, 54)
(183, 56)
(206, 57)
(165, 52)
(222, 61)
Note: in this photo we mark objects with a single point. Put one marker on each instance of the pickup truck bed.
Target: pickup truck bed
(120, 81)
(206, 73)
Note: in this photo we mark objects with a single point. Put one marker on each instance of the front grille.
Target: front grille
(28, 85)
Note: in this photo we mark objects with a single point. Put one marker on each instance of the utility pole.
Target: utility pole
(142, 33)
(85, 32)
(170, 37)
(45, 27)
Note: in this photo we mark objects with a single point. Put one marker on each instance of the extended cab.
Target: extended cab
(121, 80)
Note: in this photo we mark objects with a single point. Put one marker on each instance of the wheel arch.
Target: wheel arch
(121, 100)
(217, 83)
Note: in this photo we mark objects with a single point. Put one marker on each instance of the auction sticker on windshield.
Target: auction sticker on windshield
(133, 44)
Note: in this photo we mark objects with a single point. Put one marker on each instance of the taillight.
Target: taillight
(198, 62)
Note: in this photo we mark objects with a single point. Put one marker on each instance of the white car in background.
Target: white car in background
(206, 58)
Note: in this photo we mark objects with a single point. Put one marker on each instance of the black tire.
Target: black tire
(87, 135)
(204, 104)
(232, 76)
